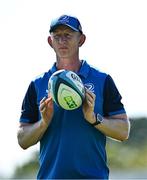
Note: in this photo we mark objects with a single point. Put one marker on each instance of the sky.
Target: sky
(116, 43)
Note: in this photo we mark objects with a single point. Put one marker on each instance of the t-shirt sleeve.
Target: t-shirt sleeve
(112, 98)
(29, 110)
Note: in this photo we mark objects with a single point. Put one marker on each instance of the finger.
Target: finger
(46, 103)
(90, 104)
(42, 107)
(90, 93)
(43, 99)
(90, 97)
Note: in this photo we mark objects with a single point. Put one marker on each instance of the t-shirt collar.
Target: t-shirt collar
(83, 71)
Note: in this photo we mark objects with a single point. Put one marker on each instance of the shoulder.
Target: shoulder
(109, 83)
(97, 73)
(42, 78)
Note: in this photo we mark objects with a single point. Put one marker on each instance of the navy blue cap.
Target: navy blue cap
(66, 20)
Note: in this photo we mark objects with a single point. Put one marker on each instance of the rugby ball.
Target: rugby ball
(66, 89)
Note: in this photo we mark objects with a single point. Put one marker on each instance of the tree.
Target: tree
(28, 170)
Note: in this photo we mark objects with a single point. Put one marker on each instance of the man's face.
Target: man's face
(65, 41)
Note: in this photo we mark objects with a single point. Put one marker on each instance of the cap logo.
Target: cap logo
(64, 19)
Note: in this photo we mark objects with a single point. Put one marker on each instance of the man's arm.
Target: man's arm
(116, 126)
(29, 134)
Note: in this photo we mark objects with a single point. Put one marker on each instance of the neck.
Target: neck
(72, 65)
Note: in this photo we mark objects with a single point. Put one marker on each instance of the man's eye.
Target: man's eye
(56, 37)
(65, 36)
(68, 36)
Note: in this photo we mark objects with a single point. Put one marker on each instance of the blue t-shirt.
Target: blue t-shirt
(71, 147)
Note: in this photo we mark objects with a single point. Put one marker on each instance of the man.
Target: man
(72, 143)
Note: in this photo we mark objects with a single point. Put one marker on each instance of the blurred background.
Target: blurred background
(116, 43)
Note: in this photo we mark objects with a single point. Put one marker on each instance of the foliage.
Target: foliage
(130, 154)
(138, 132)
(27, 170)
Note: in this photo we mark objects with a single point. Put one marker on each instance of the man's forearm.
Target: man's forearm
(116, 128)
(30, 134)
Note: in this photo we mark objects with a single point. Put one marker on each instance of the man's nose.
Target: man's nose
(62, 39)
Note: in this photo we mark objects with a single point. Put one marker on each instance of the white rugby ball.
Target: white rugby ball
(67, 89)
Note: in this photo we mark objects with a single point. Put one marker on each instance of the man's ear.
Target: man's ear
(82, 40)
(50, 41)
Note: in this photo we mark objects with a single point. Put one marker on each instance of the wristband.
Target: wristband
(99, 119)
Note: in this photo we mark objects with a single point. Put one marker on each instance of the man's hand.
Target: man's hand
(30, 133)
(46, 110)
(88, 106)
(116, 126)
